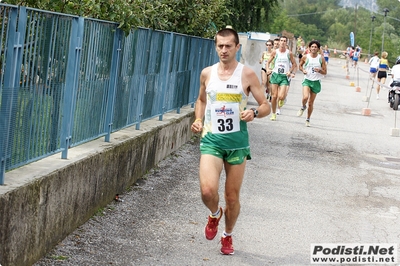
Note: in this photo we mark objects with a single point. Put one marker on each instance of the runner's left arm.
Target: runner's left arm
(253, 85)
(294, 64)
(324, 69)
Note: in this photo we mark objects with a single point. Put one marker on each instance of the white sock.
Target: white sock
(216, 214)
(225, 234)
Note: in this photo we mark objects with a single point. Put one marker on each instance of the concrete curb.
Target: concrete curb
(45, 201)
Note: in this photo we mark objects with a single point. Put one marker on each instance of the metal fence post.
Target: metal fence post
(71, 83)
(197, 78)
(12, 76)
(143, 76)
(167, 74)
(113, 83)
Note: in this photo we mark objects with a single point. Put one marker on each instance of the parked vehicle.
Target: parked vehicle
(394, 95)
(394, 91)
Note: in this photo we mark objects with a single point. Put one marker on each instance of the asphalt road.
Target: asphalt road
(334, 182)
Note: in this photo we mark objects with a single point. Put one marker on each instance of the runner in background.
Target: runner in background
(292, 75)
(356, 56)
(349, 58)
(301, 49)
(382, 72)
(276, 44)
(326, 54)
(374, 65)
(281, 71)
(313, 67)
(263, 60)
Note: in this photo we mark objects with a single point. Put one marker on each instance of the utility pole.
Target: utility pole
(370, 36)
(355, 23)
(385, 10)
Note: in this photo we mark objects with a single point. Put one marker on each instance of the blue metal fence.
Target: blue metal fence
(66, 80)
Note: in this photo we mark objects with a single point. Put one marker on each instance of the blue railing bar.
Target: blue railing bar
(167, 74)
(181, 64)
(9, 5)
(142, 88)
(14, 59)
(113, 83)
(49, 68)
(102, 21)
(28, 47)
(50, 12)
(198, 76)
(71, 85)
(3, 24)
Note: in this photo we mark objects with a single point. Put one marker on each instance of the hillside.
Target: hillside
(367, 4)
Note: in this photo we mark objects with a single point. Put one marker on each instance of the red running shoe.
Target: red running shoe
(227, 247)
(211, 229)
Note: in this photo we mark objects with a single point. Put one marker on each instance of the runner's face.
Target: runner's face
(226, 48)
(276, 44)
(282, 43)
(314, 49)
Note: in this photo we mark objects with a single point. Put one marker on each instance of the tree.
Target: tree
(250, 15)
(199, 18)
(331, 24)
(194, 17)
(292, 24)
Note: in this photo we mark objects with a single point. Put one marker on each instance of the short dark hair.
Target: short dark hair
(315, 42)
(227, 32)
(284, 37)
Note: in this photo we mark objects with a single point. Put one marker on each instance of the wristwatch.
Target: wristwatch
(255, 111)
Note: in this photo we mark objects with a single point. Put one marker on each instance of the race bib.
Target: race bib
(225, 118)
(281, 69)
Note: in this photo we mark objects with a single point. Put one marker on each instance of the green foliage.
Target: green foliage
(99, 212)
(120, 11)
(323, 20)
(192, 17)
(250, 15)
(331, 24)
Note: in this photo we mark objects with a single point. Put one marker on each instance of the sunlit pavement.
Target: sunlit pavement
(336, 181)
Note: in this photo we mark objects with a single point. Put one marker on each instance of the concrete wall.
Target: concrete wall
(41, 203)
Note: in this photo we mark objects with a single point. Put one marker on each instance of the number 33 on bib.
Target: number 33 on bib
(225, 118)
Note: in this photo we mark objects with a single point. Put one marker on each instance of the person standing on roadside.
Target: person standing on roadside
(222, 103)
(263, 61)
(281, 72)
(382, 72)
(313, 67)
